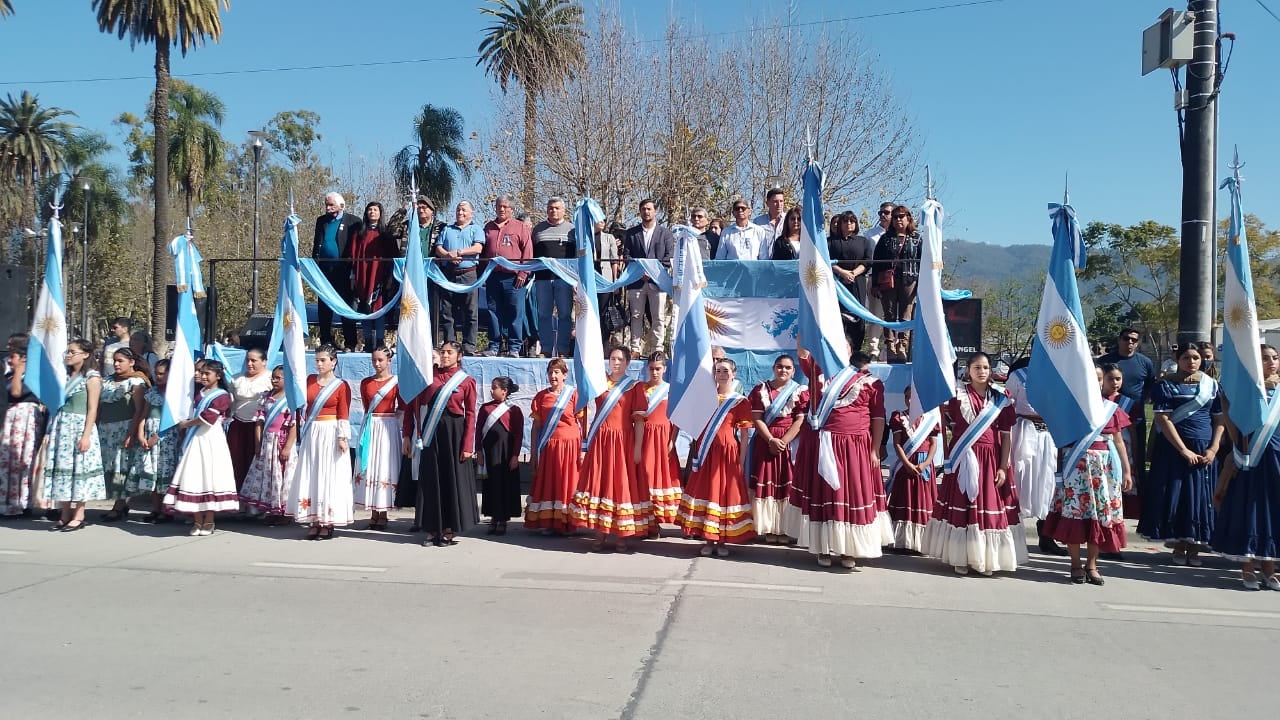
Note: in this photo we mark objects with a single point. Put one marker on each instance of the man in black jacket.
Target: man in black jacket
(648, 240)
(332, 243)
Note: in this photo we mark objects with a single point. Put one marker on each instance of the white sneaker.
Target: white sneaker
(1250, 582)
(848, 562)
(824, 561)
(1273, 582)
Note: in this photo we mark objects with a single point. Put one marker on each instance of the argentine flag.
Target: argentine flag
(290, 326)
(415, 368)
(933, 357)
(180, 390)
(1062, 384)
(1242, 380)
(588, 358)
(692, 397)
(821, 331)
(46, 366)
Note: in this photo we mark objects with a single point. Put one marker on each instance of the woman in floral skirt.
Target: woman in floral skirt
(73, 461)
(120, 406)
(266, 488)
(24, 425)
(157, 456)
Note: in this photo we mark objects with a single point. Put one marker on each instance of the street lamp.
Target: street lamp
(257, 160)
(85, 185)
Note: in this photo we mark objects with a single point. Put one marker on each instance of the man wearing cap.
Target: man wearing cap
(744, 240)
(506, 237)
(775, 202)
(332, 238)
(456, 251)
(653, 241)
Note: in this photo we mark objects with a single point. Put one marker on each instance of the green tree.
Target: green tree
(538, 44)
(183, 24)
(1136, 266)
(33, 143)
(438, 160)
(1107, 322)
(195, 145)
(1009, 313)
(294, 134)
(1264, 263)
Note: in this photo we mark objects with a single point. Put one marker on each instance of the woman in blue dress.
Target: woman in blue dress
(1177, 506)
(1248, 500)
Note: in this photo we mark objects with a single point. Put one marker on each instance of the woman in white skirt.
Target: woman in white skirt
(378, 461)
(204, 482)
(266, 488)
(1034, 456)
(321, 494)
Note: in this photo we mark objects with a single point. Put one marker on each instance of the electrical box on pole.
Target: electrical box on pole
(1170, 42)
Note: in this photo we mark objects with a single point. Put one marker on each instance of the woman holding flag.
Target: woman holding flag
(446, 413)
(378, 460)
(321, 494)
(777, 415)
(557, 442)
(1247, 527)
(977, 522)
(73, 461)
(716, 505)
(500, 427)
(1177, 502)
(657, 467)
(204, 482)
(837, 504)
(24, 424)
(610, 499)
(913, 488)
(266, 488)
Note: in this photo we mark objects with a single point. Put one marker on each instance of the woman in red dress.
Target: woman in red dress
(716, 505)
(378, 462)
(913, 489)
(777, 414)
(847, 514)
(977, 522)
(371, 281)
(610, 499)
(557, 443)
(657, 466)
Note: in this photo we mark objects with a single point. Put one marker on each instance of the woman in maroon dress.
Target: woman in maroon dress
(913, 489)
(716, 505)
(372, 283)
(777, 414)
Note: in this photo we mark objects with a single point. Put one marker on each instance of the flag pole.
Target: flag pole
(928, 183)
(1066, 188)
(1235, 163)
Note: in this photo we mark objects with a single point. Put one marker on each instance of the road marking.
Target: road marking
(746, 585)
(13, 552)
(1192, 611)
(310, 566)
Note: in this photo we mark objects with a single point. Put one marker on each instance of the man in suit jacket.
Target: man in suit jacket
(332, 243)
(648, 240)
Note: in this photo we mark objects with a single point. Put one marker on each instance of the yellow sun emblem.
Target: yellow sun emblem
(717, 318)
(1238, 314)
(288, 320)
(1059, 333)
(578, 306)
(815, 275)
(408, 307)
(49, 325)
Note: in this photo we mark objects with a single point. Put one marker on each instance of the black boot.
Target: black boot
(1047, 544)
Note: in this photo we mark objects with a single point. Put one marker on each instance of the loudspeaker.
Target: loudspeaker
(15, 285)
(964, 322)
(256, 333)
(171, 311)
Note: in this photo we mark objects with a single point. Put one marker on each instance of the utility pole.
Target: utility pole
(1199, 178)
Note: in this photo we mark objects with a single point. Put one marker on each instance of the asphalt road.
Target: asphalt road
(139, 621)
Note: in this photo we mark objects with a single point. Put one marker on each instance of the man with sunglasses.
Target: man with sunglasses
(708, 242)
(744, 240)
(1139, 377)
(875, 332)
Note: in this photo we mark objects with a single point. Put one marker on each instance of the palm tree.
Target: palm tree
(183, 24)
(6, 7)
(538, 44)
(195, 145)
(33, 142)
(437, 161)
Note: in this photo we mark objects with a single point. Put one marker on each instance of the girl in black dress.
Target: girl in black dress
(500, 427)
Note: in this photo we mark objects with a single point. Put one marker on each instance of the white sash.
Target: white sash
(709, 432)
(611, 401)
(831, 394)
(656, 395)
(427, 433)
(961, 460)
(366, 432)
(925, 427)
(553, 418)
(1204, 395)
(499, 411)
(1081, 447)
(1258, 441)
(277, 407)
(771, 413)
(322, 397)
(201, 406)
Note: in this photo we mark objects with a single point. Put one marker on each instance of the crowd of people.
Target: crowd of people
(780, 463)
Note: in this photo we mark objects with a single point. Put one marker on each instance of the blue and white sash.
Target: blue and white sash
(1258, 441)
(427, 432)
(771, 413)
(322, 397)
(961, 460)
(1205, 392)
(830, 396)
(553, 418)
(656, 395)
(201, 406)
(277, 408)
(1125, 402)
(498, 412)
(709, 433)
(611, 400)
(366, 432)
(1081, 447)
(925, 428)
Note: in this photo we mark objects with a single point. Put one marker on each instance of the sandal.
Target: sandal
(1077, 575)
(314, 533)
(1095, 578)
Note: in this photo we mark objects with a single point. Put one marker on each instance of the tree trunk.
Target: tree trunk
(530, 148)
(159, 261)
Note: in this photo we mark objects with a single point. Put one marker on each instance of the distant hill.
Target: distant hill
(967, 261)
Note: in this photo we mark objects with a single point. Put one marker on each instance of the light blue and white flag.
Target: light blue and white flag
(692, 398)
(1062, 384)
(1241, 369)
(415, 368)
(588, 358)
(933, 357)
(820, 327)
(180, 390)
(289, 327)
(46, 367)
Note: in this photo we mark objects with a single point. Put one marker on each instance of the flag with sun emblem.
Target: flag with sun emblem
(692, 397)
(180, 390)
(933, 357)
(821, 330)
(1242, 380)
(46, 368)
(290, 327)
(1061, 382)
(415, 368)
(588, 357)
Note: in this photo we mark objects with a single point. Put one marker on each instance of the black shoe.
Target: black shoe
(1049, 547)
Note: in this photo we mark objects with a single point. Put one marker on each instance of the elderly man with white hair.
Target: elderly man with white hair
(456, 251)
(332, 244)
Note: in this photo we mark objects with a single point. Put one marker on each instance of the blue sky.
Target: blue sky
(1008, 96)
